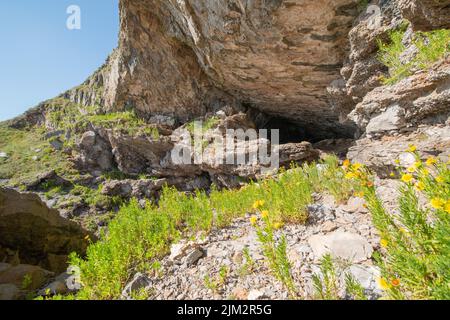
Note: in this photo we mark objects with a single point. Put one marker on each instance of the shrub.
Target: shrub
(431, 47)
(415, 260)
(274, 250)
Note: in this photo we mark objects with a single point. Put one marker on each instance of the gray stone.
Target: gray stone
(355, 204)
(9, 292)
(347, 246)
(256, 295)
(320, 213)
(140, 281)
(392, 119)
(193, 256)
(367, 277)
(57, 144)
(4, 266)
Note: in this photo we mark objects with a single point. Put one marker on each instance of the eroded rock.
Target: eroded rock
(39, 235)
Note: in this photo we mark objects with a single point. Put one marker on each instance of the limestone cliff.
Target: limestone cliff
(183, 58)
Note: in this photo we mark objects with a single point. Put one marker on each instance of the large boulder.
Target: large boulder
(36, 234)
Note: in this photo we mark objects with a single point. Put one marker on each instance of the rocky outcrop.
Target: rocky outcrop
(102, 149)
(362, 70)
(32, 233)
(182, 58)
(381, 155)
(423, 98)
(426, 14)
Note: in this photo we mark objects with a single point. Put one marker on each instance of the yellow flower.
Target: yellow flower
(431, 161)
(357, 166)
(383, 283)
(440, 179)
(346, 163)
(264, 214)
(397, 161)
(384, 243)
(417, 164)
(437, 203)
(258, 204)
(447, 207)
(392, 174)
(425, 172)
(407, 178)
(411, 169)
(277, 225)
(253, 220)
(412, 148)
(420, 186)
(350, 176)
(359, 194)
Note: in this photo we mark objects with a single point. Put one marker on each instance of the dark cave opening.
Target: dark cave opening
(294, 132)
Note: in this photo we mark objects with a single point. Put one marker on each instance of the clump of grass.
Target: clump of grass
(275, 250)
(327, 283)
(431, 47)
(204, 125)
(66, 115)
(95, 198)
(135, 237)
(415, 257)
(217, 282)
(248, 265)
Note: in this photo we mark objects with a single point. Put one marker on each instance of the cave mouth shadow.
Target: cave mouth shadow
(293, 132)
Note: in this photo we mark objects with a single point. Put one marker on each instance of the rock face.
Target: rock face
(102, 149)
(32, 233)
(181, 58)
(420, 99)
(426, 14)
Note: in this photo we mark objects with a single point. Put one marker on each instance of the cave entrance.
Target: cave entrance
(294, 132)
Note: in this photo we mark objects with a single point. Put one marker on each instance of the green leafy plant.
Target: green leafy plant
(431, 47)
(326, 284)
(415, 257)
(275, 250)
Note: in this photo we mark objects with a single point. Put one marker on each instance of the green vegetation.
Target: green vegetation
(137, 237)
(415, 260)
(249, 265)
(274, 251)
(218, 281)
(66, 115)
(431, 47)
(416, 245)
(29, 155)
(327, 283)
(204, 125)
(95, 198)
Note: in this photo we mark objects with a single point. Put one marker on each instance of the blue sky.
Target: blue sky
(40, 58)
